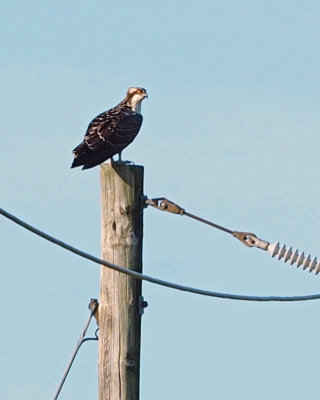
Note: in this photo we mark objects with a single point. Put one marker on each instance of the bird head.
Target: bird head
(134, 97)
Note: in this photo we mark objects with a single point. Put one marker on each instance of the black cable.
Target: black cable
(151, 279)
(75, 352)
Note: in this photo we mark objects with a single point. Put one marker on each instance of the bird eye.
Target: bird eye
(139, 91)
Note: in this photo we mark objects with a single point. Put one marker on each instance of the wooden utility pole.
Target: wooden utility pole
(120, 295)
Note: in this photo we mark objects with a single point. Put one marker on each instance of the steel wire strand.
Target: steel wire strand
(81, 340)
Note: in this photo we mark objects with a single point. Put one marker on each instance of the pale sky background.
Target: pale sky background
(230, 132)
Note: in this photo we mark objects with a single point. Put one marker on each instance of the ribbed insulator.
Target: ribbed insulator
(294, 257)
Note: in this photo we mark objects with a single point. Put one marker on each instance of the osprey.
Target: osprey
(110, 132)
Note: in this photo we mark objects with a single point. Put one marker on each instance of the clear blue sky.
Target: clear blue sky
(231, 133)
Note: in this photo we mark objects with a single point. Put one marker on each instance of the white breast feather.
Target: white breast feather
(136, 103)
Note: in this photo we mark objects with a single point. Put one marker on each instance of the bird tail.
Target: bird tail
(76, 163)
(80, 153)
(89, 160)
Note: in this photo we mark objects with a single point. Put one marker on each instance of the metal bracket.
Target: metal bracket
(93, 305)
(144, 199)
(163, 204)
(251, 240)
(94, 308)
(142, 304)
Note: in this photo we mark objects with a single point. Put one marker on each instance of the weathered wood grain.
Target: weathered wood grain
(119, 318)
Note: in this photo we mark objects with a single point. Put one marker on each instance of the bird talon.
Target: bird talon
(119, 162)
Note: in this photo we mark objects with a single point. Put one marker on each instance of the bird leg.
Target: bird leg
(120, 160)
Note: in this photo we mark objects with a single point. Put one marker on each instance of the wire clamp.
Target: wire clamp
(249, 239)
(94, 308)
(142, 304)
(163, 204)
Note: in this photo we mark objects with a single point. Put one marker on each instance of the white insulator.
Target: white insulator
(306, 262)
(282, 252)
(300, 259)
(274, 248)
(313, 264)
(295, 257)
(288, 254)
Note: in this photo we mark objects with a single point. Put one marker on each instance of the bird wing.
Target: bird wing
(115, 129)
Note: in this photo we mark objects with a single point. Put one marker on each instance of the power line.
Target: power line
(163, 204)
(151, 279)
(247, 238)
